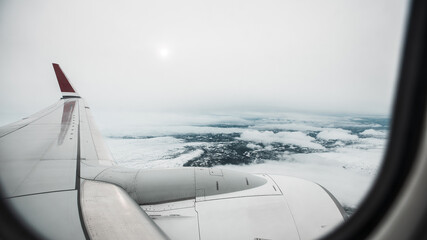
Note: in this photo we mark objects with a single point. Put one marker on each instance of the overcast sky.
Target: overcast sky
(323, 56)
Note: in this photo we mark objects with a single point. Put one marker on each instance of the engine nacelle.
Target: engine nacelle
(154, 186)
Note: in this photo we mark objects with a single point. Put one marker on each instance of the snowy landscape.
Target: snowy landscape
(341, 153)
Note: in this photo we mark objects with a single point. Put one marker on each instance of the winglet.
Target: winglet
(66, 89)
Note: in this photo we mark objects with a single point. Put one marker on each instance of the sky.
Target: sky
(329, 56)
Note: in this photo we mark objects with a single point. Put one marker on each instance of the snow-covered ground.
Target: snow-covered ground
(341, 153)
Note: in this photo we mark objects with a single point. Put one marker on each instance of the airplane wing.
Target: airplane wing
(60, 178)
(41, 165)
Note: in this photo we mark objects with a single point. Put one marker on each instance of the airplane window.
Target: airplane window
(302, 89)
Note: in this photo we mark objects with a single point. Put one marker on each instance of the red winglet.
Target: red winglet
(65, 86)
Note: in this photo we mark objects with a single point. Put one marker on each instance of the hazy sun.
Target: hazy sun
(164, 52)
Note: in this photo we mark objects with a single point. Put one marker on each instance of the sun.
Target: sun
(164, 52)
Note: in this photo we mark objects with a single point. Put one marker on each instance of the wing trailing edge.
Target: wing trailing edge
(67, 89)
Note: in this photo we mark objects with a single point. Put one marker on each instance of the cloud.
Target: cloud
(373, 133)
(337, 134)
(293, 138)
(288, 126)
